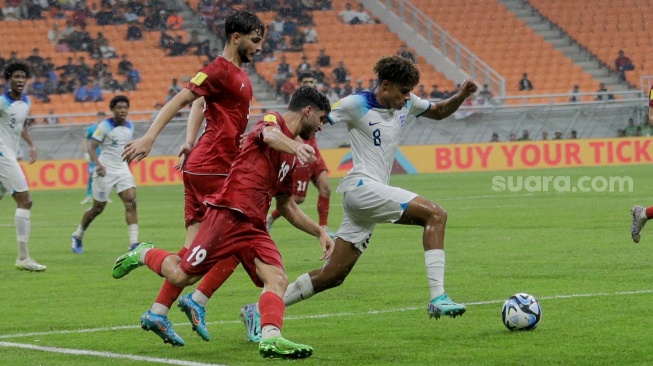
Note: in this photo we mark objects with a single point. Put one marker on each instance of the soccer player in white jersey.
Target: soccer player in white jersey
(111, 171)
(14, 109)
(375, 121)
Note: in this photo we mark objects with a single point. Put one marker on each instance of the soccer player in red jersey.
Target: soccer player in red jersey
(221, 92)
(642, 214)
(234, 223)
(316, 172)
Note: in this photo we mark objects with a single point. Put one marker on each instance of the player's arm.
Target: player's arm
(140, 148)
(32, 149)
(447, 107)
(195, 118)
(92, 153)
(273, 137)
(291, 211)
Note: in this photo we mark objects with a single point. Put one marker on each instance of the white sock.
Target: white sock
(21, 219)
(79, 233)
(199, 298)
(132, 231)
(160, 309)
(299, 290)
(434, 260)
(270, 331)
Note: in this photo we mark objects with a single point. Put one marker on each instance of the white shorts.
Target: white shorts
(102, 186)
(369, 204)
(12, 179)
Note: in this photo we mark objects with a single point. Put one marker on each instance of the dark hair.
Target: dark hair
(303, 75)
(305, 96)
(243, 22)
(16, 66)
(117, 99)
(397, 70)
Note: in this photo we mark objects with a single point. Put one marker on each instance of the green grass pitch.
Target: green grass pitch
(572, 250)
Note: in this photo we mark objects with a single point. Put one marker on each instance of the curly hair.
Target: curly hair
(117, 99)
(397, 70)
(14, 66)
(306, 96)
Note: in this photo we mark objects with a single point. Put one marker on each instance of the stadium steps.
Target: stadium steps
(563, 42)
(605, 28)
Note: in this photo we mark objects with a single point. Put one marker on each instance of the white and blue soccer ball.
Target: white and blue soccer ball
(521, 312)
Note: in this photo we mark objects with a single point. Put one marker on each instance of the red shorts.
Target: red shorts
(196, 187)
(305, 173)
(225, 233)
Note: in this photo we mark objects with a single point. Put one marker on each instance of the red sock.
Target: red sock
(649, 212)
(275, 214)
(323, 210)
(169, 292)
(271, 308)
(217, 275)
(154, 259)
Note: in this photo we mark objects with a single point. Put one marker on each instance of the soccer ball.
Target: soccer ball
(521, 312)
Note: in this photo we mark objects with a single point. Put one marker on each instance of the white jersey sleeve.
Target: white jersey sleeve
(112, 139)
(13, 114)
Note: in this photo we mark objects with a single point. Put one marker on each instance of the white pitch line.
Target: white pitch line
(81, 352)
(331, 315)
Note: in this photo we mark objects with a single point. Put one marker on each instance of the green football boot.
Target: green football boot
(129, 261)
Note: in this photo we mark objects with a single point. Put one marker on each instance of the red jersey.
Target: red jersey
(258, 173)
(650, 97)
(227, 92)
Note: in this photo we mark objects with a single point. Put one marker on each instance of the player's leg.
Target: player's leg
(101, 188)
(272, 309)
(321, 181)
(89, 185)
(433, 218)
(23, 226)
(640, 215)
(128, 198)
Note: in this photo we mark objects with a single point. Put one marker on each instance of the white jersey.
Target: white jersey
(13, 114)
(112, 139)
(374, 133)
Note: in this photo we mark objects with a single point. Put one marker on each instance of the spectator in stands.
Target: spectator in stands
(485, 96)
(67, 31)
(178, 47)
(340, 73)
(525, 136)
(297, 42)
(623, 64)
(152, 21)
(363, 17)
(621, 133)
(132, 79)
(94, 91)
(134, 32)
(33, 10)
(323, 60)
(175, 21)
(174, 87)
(204, 49)
(37, 89)
(603, 93)
(68, 69)
(545, 135)
(495, 137)
(435, 93)
(82, 69)
(11, 10)
(318, 74)
(406, 53)
(65, 85)
(574, 95)
(13, 57)
(287, 88)
(289, 27)
(35, 59)
(80, 15)
(105, 16)
(513, 137)
(421, 92)
(631, 129)
(124, 65)
(346, 90)
(359, 88)
(165, 40)
(524, 83)
(557, 135)
(331, 95)
(303, 66)
(574, 134)
(106, 50)
(82, 93)
(51, 119)
(284, 67)
(130, 16)
(53, 34)
(62, 46)
(110, 84)
(310, 34)
(170, 95)
(372, 84)
(348, 15)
